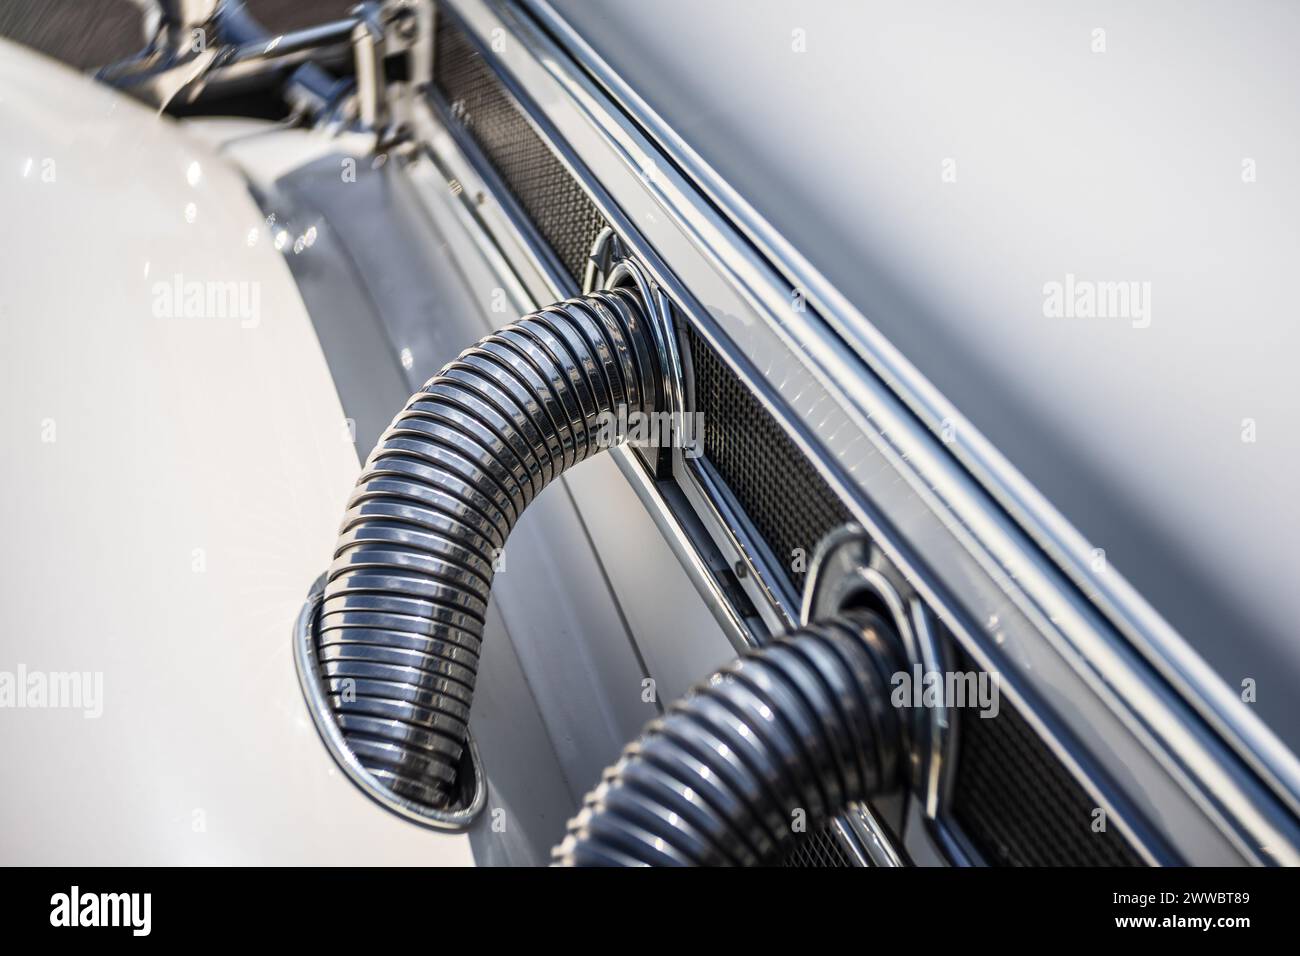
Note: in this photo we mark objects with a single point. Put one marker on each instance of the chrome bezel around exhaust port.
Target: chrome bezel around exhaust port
(847, 570)
(473, 783)
(848, 566)
(609, 267)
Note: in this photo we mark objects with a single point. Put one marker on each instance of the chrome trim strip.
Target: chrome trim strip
(858, 826)
(765, 582)
(419, 58)
(943, 739)
(1137, 621)
(685, 544)
(731, 534)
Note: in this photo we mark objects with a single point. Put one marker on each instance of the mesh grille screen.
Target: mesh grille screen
(554, 201)
(818, 850)
(1017, 803)
(790, 505)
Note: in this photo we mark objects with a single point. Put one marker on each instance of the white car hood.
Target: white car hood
(175, 470)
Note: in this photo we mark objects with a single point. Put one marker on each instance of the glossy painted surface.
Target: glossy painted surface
(173, 484)
(1129, 165)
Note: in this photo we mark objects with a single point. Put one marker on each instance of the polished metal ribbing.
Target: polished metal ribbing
(781, 739)
(406, 596)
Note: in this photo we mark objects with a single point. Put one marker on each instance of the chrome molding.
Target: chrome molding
(755, 568)
(685, 535)
(859, 829)
(754, 565)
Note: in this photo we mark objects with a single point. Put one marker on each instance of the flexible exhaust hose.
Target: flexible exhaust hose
(785, 735)
(406, 596)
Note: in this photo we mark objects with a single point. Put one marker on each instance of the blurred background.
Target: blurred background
(87, 34)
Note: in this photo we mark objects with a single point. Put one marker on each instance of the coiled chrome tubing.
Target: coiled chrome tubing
(399, 632)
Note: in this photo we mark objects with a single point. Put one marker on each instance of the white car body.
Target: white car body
(184, 475)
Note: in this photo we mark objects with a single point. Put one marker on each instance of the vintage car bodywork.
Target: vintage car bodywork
(163, 480)
(872, 279)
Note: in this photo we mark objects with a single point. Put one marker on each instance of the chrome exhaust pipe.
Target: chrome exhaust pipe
(392, 652)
